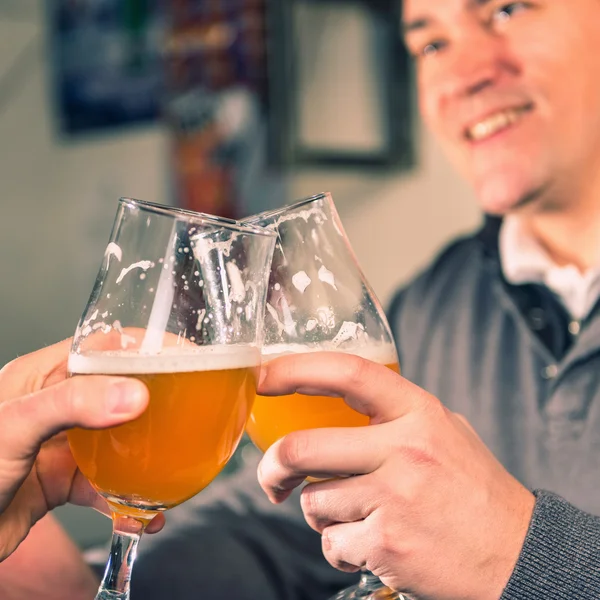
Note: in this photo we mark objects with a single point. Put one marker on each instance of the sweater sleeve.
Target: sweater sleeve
(560, 558)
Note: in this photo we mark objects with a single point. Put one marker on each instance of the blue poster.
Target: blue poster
(108, 65)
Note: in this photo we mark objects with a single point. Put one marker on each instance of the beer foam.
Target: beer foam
(170, 360)
(383, 353)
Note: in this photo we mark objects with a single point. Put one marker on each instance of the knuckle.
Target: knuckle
(11, 368)
(311, 503)
(282, 375)
(464, 422)
(386, 488)
(72, 397)
(294, 449)
(23, 375)
(433, 407)
(420, 463)
(10, 412)
(418, 451)
(401, 500)
(17, 417)
(333, 550)
(357, 371)
(387, 544)
(330, 538)
(32, 372)
(461, 418)
(17, 378)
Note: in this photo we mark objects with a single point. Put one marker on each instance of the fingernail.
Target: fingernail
(262, 376)
(125, 397)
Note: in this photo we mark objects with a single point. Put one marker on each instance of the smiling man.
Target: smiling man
(512, 92)
(504, 329)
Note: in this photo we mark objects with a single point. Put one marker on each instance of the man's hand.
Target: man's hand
(423, 504)
(37, 402)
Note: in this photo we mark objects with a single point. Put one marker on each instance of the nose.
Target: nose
(475, 61)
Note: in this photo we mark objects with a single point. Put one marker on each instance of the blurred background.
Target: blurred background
(222, 106)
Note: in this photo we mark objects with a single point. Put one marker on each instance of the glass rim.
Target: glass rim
(196, 217)
(251, 220)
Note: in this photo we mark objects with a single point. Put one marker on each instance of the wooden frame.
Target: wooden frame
(360, 41)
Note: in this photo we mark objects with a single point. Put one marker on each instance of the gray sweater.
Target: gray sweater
(502, 356)
(561, 555)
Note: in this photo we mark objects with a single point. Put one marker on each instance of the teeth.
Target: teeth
(494, 123)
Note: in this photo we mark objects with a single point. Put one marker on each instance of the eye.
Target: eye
(506, 11)
(430, 49)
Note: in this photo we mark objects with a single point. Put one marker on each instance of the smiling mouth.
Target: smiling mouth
(495, 123)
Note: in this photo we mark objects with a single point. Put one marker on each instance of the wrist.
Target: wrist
(508, 539)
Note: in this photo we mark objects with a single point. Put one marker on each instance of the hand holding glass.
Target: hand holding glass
(178, 303)
(318, 300)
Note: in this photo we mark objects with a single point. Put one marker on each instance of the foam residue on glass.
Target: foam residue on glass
(113, 250)
(326, 276)
(144, 265)
(301, 281)
(348, 331)
(318, 298)
(315, 211)
(383, 353)
(169, 360)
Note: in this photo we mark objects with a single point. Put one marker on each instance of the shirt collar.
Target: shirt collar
(524, 260)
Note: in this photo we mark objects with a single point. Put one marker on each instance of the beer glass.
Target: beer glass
(178, 303)
(317, 300)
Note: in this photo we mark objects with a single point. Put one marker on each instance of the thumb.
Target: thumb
(371, 389)
(92, 402)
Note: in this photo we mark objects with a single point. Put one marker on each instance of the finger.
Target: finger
(320, 453)
(337, 501)
(84, 494)
(156, 524)
(345, 546)
(370, 388)
(31, 372)
(93, 402)
(465, 423)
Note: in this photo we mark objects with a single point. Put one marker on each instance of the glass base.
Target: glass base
(136, 509)
(369, 588)
(109, 595)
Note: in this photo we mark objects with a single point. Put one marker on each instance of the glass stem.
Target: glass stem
(127, 532)
(370, 587)
(368, 581)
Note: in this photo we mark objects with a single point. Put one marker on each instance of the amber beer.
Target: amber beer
(199, 404)
(273, 417)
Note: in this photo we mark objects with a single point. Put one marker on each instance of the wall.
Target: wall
(57, 203)
(58, 198)
(396, 222)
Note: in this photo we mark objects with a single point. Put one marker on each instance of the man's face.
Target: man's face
(512, 90)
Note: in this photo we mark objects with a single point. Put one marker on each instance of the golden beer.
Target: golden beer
(199, 404)
(273, 417)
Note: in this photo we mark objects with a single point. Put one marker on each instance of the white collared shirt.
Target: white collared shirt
(524, 260)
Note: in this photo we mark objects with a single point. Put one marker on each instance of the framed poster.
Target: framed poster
(198, 66)
(341, 84)
(107, 62)
(217, 102)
